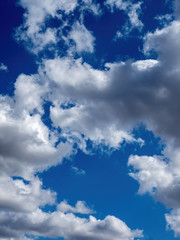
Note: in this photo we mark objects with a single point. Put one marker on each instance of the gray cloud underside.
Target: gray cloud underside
(67, 225)
(103, 106)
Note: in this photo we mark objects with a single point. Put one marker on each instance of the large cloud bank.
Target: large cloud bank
(86, 103)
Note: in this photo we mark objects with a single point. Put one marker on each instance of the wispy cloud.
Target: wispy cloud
(3, 67)
(78, 171)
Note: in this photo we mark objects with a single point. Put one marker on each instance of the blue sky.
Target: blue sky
(89, 119)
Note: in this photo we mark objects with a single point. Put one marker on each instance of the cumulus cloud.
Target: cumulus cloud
(87, 103)
(36, 36)
(79, 208)
(36, 13)
(146, 90)
(173, 221)
(57, 224)
(104, 105)
(82, 38)
(159, 175)
(33, 32)
(23, 197)
(124, 95)
(151, 173)
(92, 114)
(27, 145)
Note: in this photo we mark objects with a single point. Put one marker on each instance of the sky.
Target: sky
(89, 119)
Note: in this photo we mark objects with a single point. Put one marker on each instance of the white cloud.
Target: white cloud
(37, 37)
(165, 43)
(28, 92)
(83, 39)
(88, 90)
(145, 65)
(33, 31)
(78, 171)
(154, 174)
(26, 144)
(133, 15)
(23, 197)
(90, 5)
(151, 173)
(80, 207)
(173, 221)
(164, 19)
(36, 13)
(132, 10)
(105, 106)
(3, 67)
(120, 4)
(117, 36)
(57, 224)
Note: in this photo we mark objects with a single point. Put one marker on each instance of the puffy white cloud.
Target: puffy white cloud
(92, 113)
(151, 173)
(36, 13)
(161, 179)
(18, 196)
(68, 73)
(155, 174)
(133, 15)
(26, 145)
(80, 207)
(33, 31)
(165, 43)
(173, 221)
(28, 93)
(36, 42)
(101, 105)
(115, 99)
(37, 36)
(82, 38)
(145, 65)
(57, 224)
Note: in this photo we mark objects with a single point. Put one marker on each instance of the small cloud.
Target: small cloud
(117, 36)
(3, 67)
(83, 39)
(80, 207)
(78, 171)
